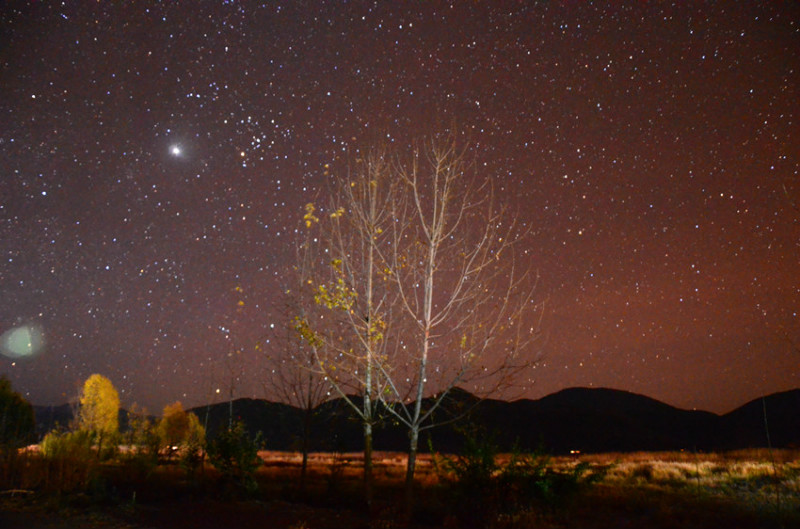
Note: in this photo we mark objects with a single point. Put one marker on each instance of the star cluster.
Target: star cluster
(156, 157)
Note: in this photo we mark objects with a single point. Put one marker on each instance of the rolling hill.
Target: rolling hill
(589, 420)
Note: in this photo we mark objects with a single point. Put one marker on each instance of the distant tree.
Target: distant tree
(17, 422)
(99, 409)
(173, 426)
(178, 429)
(142, 437)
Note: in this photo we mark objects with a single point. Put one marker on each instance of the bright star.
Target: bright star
(175, 150)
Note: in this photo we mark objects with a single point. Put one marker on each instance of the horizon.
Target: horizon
(157, 413)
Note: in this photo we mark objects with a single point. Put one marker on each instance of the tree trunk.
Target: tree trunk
(309, 413)
(368, 462)
(410, 468)
(230, 412)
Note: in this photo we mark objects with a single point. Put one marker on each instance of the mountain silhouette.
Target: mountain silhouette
(584, 419)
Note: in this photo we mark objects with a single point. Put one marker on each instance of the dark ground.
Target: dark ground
(333, 500)
(601, 509)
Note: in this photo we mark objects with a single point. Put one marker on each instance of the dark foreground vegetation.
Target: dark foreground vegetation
(168, 474)
(477, 489)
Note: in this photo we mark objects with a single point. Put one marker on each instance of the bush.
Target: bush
(235, 455)
(471, 479)
(490, 494)
(70, 461)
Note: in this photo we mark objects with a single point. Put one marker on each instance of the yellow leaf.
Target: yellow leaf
(309, 216)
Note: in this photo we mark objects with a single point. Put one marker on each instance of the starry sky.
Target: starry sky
(155, 158)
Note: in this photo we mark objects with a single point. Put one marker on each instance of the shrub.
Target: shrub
(643, 471)
(471, 479)
(235, 455)
(487, 492)
(70, 462)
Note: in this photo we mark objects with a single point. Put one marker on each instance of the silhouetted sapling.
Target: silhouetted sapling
(235, 455)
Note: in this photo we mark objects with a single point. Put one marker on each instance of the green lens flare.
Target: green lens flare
(21, 342)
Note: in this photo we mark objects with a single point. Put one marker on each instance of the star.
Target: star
(151, 183)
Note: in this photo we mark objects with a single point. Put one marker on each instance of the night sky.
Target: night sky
(155, 159)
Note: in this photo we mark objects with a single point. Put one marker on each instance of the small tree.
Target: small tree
(143, 441)
(290, 366)
(173, 428)
(141, 435)
(291, 377)
(235, 454)
(180, 431)
(99, 411)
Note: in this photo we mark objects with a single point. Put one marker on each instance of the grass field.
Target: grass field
(748, 489)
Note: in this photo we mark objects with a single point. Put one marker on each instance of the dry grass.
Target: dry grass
(712, 471)
(760, 482)
(755, 488)
(745, 489)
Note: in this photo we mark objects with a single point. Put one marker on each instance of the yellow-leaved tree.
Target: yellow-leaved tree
(179, 430)
(99, 411)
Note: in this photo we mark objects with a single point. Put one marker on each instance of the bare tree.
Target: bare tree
(234, 366)
(466, 298)
(234, 359)
(291, 373)
(426, 285)
(346, 309)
